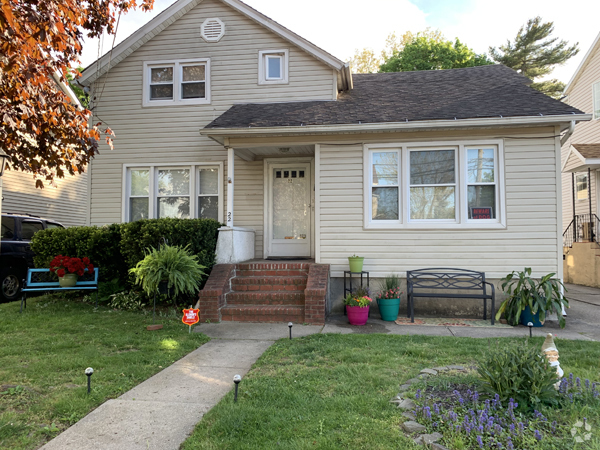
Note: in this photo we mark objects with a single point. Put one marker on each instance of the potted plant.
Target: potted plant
(530, 300)
(68, 269)
(356, 263)
(357, 306)
(388, 299)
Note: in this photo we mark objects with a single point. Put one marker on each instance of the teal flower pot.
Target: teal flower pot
(388, 308)
(527, 316)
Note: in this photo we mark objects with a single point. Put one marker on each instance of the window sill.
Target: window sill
(267, 82)
(152, 104)
(435, 226)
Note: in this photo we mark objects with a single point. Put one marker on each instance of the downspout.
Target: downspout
(568, 134)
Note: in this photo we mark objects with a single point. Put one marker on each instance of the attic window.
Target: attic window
(212, 30)
(273, 67)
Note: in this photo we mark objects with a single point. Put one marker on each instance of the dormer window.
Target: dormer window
(273, 67)
(176, 82)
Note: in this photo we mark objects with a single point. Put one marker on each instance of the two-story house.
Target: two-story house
(221, 112)
(580, 175)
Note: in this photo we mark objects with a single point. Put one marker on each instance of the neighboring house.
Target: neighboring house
(580, 177)
(65, 200)
(220, 112)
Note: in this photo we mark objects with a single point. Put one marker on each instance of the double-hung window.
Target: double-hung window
(185, 191)
(176, 82)
(273, 66)
(428, 185)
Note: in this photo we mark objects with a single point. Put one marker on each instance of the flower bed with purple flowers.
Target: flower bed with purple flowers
(469, 419)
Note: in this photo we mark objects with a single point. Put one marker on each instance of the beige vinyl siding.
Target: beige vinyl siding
(248, 199)
(580, 96)
(66, 202)
(529, 240)
(170, 134)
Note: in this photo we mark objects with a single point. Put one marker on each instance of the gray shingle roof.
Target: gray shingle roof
(475, 92)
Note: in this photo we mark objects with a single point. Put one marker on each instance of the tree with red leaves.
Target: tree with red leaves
(44, 131)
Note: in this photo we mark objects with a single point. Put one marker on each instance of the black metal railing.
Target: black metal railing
(583, 228)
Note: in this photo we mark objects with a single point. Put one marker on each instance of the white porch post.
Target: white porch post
(230, 172)
(234, 244)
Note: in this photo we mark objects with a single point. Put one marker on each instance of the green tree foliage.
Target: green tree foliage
(427, 53)
(535, 54)
(77, 89)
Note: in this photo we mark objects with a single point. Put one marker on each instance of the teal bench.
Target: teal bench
(42, 280)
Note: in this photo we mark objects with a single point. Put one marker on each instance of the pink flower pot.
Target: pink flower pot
(357, 315)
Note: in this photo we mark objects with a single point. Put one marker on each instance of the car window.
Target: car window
(8, 228)
(29, 228)
(50, 225)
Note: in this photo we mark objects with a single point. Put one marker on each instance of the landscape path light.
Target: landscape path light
(290, 324)
(89, 372)
(236, 380)
(530, 325)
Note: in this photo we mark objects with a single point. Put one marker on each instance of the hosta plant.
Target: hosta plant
(171, 264)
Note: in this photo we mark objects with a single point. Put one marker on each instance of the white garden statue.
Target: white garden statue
(551, 353)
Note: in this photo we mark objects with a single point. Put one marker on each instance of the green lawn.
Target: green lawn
(333, 391)
(45, 351)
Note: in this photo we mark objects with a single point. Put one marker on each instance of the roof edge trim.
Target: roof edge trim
(91, 74)
(582, 64)
(383, 126)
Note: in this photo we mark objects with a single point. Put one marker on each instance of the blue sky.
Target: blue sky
(333, 24)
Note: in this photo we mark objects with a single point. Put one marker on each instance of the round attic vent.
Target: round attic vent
(212, 30)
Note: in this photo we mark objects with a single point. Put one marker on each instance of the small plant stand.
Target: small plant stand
(348, 285)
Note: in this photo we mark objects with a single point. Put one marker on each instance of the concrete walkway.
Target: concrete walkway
(161, 412)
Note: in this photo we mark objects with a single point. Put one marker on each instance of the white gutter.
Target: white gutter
(568, 134)
(397, 126)
(67, 90)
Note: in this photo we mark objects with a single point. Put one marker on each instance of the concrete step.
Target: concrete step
(262, 313)
(266, 298)
(264, 283)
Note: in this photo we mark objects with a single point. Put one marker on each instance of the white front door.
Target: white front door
(289, 209)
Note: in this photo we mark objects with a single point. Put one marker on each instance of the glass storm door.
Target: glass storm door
(290, 210)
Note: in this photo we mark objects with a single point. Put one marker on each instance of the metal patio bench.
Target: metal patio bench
(42, 280)
(436, 282)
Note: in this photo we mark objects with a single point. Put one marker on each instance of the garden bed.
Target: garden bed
(45, 351)
(334, 391)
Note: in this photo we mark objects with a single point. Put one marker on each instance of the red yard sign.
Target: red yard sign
(190, 316)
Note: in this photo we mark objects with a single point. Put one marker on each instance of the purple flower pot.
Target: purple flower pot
(357, 315)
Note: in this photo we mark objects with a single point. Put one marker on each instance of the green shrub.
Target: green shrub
(520, 373)
(172, 264)
(100, 244)
(127, 301)
(116, 248)
(199, 234)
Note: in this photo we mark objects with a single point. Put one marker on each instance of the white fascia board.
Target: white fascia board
(583, 63)
(141, 36)
(67, 90)
(398, 126)
(288, 35)
(125, 48)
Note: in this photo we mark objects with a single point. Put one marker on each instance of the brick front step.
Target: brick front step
(268, 283)
(264, 313)
(271, 273)
(266, 298)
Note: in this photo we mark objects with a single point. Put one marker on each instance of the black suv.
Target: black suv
(16, 254)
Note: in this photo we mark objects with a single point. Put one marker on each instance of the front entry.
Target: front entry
(289, 215)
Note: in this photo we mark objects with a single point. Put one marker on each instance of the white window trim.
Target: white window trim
(177, 77)
(587, 190)
(262, 70)
(462, 221)
(153, 186)
(595, 87)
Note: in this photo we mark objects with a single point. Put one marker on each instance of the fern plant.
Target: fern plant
(172, 264)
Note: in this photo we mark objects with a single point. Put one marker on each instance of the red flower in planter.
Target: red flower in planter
(65, 264)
